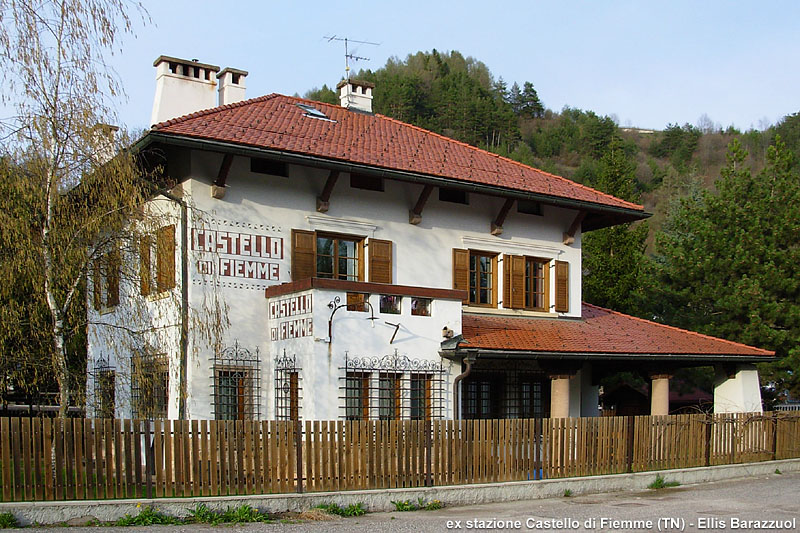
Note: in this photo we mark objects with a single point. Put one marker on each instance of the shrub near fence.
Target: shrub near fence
(75, 459)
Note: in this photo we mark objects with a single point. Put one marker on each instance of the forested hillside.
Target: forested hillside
(720, 254)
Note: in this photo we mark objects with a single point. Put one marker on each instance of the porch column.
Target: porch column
(659, 394)
(559, 395)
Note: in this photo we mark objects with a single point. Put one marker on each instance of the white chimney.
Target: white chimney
(182, 86)
(231, 85)
(103, 137)
(354, 94)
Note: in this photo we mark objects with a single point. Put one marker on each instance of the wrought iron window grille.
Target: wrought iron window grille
(509, 394)
(237, 384)
(104, 377)
(149, 386)
(392, 387)
(288, 388)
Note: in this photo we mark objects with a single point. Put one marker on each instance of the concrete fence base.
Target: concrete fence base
(80, 512)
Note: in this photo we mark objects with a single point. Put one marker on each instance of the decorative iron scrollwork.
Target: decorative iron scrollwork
(393, 362)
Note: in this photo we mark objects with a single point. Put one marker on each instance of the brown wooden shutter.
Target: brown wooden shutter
(562, 287)
(461, 271)
(357, 301)
(546, 277)
(97, 284)
(304, 262)
(513, 281)
(507, 281)
(145, 275)
(380, 261)
(517, 281)
(113, 266)
(165, 258)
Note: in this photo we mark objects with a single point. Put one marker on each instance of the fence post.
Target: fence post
(538, 445)
(428, 454)
(709, 428)
(630, 437)
(298, 442)
(775, 420)
(148, 457)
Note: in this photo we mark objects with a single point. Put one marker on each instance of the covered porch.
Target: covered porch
(520, 367)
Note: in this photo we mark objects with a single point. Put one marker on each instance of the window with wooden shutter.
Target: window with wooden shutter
(461, 271)
(165, 258)
(105, 280)
(304, 264)
(537, 284)
(483, 279)
(562, 287)
(145, 274)
(113, 265)
(357, 301)
(339, 256)
(526, 283)
(380, 261)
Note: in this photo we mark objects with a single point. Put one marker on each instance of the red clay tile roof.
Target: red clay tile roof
(599, 331)
(276, 122)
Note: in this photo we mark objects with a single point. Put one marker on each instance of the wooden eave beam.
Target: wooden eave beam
(569, 236)
(497, 225)
(218, 187)
(323, 200)
(415, 215)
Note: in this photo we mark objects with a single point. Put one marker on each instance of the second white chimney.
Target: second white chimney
(354, 94)
(231, 85)
(182, 86)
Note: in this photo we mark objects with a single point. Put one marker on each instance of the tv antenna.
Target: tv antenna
(348, 55)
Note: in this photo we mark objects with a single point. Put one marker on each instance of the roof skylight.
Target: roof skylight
(313, 112)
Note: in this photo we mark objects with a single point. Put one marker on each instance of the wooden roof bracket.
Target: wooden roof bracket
(569, 236)
(415, 215)
(497, 225)
(218, 186)
(323, 200)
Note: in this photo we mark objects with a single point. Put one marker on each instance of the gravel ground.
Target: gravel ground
(706, 507)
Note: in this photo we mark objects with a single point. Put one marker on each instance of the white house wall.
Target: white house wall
(271, 206)
(115, 333)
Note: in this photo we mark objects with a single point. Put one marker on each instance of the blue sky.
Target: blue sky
(647, 63)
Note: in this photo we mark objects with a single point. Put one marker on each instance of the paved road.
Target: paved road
(708, 507)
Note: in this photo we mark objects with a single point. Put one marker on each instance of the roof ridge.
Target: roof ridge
(212, 110)
(679, 329)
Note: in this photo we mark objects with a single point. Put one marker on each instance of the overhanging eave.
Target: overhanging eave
(479, 353)
(600, 215)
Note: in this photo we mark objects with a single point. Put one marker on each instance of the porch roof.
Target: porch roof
(599, 334)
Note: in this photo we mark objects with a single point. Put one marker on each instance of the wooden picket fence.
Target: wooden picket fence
(77, 459)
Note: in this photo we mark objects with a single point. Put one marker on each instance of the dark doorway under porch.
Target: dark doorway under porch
(505, 394)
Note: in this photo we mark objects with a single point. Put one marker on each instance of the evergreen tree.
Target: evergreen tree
(501, 89)
(614, 261)
(515, 99)
(325, 94)
(728, 262)
(530, 105)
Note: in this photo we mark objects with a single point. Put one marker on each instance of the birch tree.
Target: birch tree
(63, 199)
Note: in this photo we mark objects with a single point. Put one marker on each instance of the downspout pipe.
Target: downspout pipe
(457, 405)
(184, 300)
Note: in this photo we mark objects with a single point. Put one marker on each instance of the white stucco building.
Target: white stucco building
(360, 267)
